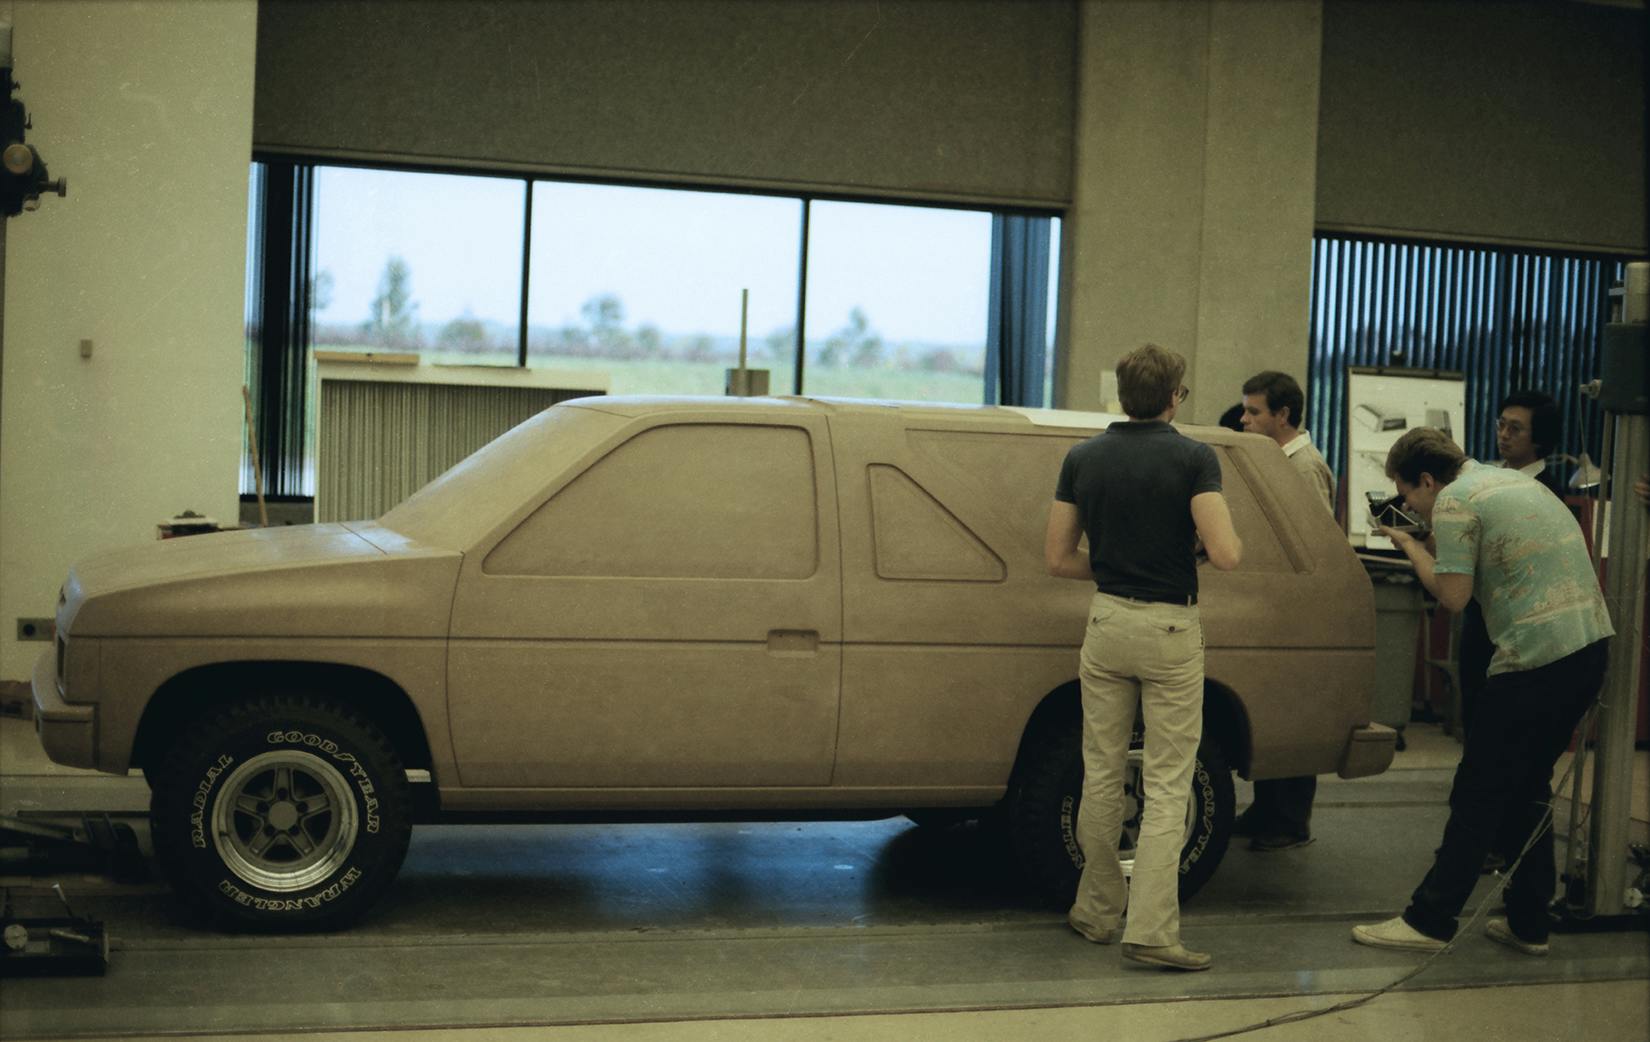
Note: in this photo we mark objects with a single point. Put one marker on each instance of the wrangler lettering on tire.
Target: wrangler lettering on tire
(281, 811)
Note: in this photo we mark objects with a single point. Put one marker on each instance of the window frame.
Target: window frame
(278, 408)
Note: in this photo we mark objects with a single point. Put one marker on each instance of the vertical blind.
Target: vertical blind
(1507, 319)
(280, 285)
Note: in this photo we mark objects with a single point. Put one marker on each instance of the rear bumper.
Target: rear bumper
(1368, 751)
(67, 732)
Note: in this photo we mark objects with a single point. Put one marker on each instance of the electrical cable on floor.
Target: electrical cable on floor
(1478, 914)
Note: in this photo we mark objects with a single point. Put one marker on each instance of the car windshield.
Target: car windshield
(460, 507)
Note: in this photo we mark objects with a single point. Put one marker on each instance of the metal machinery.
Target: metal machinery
(1601, 882)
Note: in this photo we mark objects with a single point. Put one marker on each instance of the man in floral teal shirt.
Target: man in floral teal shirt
(1504, 539)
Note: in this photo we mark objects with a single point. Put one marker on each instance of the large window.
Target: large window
(642, 284)
(897, 302)
(646, 283)
(425, 263)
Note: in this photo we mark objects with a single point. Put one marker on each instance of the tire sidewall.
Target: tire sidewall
(195, 782)
(1047, 835)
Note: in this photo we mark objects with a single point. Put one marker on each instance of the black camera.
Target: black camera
(1388, 511)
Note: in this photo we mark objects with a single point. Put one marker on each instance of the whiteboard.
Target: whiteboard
(1381, 404)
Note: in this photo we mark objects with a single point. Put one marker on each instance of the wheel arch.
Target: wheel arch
(1224, 718)
(1227, 721)
(195, 691)
(1062, 707)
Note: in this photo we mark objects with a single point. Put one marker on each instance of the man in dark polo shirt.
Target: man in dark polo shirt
(1145, 495)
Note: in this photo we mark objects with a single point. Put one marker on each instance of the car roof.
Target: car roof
(632, 406)
(652, 405)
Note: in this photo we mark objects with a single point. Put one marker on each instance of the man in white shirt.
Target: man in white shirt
(1273, 405)
(1280, 817)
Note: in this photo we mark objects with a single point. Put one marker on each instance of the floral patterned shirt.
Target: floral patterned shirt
(1529, 563)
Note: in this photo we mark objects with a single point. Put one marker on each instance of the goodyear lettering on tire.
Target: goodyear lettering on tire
(353, 768)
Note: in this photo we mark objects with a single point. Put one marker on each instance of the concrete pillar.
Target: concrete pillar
(1191, 223)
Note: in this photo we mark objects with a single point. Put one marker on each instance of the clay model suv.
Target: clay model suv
(626, 607)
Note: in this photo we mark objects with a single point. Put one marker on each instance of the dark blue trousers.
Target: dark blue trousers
(1521, 725)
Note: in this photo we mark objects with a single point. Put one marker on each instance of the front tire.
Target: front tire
(281, 812)
(1047, 790)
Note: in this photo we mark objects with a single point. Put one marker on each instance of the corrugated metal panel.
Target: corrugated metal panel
(378, 442)
(1509, 320)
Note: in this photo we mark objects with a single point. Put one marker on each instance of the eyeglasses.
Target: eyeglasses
(1182, 394)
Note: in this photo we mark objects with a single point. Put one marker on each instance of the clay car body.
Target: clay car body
(653, 607)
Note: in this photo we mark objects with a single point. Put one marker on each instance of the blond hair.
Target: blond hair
(1424, 450)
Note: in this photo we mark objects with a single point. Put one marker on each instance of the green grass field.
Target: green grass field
(675, 376)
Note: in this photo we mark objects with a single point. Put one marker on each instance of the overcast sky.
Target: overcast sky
(675, 259)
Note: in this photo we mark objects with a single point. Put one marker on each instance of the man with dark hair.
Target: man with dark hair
(1273, 405)
(1144, 494)
(1526, 433)
(1506, 541)
(1280, 818)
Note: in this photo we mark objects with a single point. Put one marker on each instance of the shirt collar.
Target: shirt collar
(1297, 443)
(1529, 469)
(1140, 426)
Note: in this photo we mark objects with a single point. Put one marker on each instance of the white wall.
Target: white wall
(146, 109)
(1193, 193)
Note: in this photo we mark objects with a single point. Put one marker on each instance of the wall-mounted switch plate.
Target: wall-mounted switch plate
(36, 629)
(86, 348)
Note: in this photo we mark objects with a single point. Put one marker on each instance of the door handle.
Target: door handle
(805, 641)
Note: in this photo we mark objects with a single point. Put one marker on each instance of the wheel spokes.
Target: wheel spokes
(299, 841)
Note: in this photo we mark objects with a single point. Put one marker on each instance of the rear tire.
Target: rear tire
(281, 812)
(1047, 789)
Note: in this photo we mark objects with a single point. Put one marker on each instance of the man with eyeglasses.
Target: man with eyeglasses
(1144, 494)
(1280, 818)
(1526, 432)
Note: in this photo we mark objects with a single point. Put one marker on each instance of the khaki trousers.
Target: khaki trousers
(1149, 655)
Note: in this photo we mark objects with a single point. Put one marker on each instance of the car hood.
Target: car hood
(332, 580)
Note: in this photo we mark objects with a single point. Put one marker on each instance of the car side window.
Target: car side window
(916, 537)
(708, 501)
(1013, 473)
(1262, 552)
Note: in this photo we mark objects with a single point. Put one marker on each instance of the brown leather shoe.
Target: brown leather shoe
(1093, 933)
(1167, 956)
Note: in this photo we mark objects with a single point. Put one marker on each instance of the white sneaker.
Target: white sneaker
(1498, 931)
(1395, 933)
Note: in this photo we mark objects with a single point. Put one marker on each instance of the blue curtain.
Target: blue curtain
(1016, 343)
(278, 319)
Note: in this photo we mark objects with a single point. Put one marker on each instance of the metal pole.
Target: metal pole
(1624, 593)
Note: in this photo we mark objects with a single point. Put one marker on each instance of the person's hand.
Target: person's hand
(1402, 540)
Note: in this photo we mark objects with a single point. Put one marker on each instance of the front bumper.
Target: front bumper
(67, 732)
(1368, 751)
